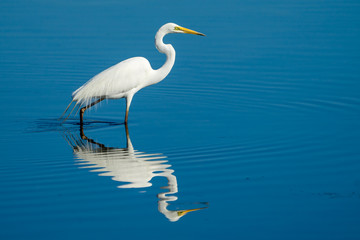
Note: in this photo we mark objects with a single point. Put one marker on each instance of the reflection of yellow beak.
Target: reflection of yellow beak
(189, 31)
(183, 212)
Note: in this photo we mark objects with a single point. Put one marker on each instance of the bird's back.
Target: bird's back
(116, 81)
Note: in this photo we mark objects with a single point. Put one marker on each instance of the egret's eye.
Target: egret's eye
(177, 28)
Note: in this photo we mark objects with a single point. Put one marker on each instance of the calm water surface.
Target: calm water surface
(253, 135)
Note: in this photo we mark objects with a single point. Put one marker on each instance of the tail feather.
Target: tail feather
(80, 98)
(76, 104)
(67, 108)
(77, 109)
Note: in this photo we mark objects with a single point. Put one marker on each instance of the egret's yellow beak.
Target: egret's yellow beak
(183, 212)
(189, 31)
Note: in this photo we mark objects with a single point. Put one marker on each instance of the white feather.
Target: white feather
(115, 82)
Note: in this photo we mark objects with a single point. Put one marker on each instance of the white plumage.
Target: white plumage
(124, 79)
(116, 81)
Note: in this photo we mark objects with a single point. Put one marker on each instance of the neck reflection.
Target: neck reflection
(134, 169)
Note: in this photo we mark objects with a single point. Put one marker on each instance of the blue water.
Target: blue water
(253, 135)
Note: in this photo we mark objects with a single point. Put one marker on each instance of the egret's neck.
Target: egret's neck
(169, 51)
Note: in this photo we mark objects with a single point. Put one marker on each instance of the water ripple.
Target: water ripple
(268, 97)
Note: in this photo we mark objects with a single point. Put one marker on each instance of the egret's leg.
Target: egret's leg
(128, 142)
(128, 102)
(82, 110)
(82, 135)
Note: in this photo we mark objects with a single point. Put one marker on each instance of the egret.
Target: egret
(126, 78)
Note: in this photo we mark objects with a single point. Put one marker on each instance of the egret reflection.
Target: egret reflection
(134, 169)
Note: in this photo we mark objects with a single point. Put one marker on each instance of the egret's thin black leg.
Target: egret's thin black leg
(82, 110)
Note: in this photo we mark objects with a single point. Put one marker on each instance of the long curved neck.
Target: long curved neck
(169, 51)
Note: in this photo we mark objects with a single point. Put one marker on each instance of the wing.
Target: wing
(115, 81)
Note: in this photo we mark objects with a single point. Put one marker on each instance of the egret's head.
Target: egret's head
(174, 28)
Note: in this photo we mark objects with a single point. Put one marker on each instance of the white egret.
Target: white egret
(126, 78)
